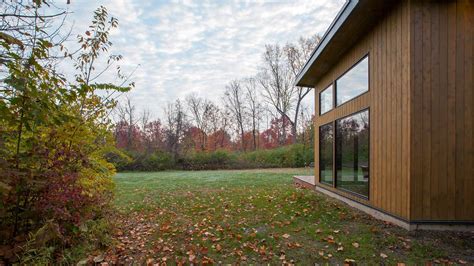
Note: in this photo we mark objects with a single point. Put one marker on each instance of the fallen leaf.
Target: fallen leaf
(340, 248)
(99, 258)
(218, 247)
(355, 244)
(383, 255)
(150, 261)
(286, 236)
(349, 262)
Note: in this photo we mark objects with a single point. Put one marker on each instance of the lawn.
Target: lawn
(257, 216)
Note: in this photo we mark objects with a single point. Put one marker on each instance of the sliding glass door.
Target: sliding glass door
(344, 146)
(352, 153)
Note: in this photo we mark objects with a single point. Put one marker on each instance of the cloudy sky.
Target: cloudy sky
(182, 47)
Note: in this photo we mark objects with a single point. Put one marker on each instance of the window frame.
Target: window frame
(335, 152)
(367, 55)
(333, 106)
(333, 183)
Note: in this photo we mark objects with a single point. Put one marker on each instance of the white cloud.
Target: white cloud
(199, 46)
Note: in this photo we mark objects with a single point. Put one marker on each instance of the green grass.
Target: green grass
(252, 216)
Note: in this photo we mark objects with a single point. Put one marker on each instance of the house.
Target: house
(395, 99)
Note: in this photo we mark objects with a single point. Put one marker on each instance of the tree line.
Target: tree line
(264, 111)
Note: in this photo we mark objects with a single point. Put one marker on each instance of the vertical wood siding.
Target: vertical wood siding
(421, 105)
(442, 121)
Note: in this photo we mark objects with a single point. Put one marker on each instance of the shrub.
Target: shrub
(288, 156)
(219, 159)
(157, 161)
(118, 158)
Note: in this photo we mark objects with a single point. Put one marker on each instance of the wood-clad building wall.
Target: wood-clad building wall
(420, 103)
(442, 150)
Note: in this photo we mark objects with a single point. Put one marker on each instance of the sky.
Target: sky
(183, 47)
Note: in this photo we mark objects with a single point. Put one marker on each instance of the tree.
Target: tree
(200, 110)
(296, 56)
(128, 119)
(280, 68)
(176, 127)
(254, 108)
(234, 101)
(53, 131)
(276, 83)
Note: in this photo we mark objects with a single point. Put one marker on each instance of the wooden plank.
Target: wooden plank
(416, 92)
(426, 72)
(460, 119)
(451, 110)
(468, 15)
(406, 109)
(443, 166)
(435, 112)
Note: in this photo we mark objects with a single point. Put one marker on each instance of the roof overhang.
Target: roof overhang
(351, 23)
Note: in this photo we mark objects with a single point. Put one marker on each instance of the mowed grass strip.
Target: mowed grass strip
(258, 216)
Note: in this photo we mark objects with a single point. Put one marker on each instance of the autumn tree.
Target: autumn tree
(53, 130)
(296, 55)
(275, 80)
(234, 98)
(128, 121)
(279, 71)
(201, 111)
(176, 127)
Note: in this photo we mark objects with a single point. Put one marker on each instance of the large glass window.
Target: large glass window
(326, 100)
(353, 83)
(352, 153)
(326, 141)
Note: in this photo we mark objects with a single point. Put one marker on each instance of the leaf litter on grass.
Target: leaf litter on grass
(242, 219)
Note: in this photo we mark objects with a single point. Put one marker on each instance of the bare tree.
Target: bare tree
(280, 68)
(296, 56)
(176, 126)
(234, 101)
(126, 113)
(200, 110)
(275, 80)
(145, 118)
(254, 108)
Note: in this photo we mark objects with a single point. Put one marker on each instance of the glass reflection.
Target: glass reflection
(326, 100)
(352, 153)
(353, 83)
(326, 138)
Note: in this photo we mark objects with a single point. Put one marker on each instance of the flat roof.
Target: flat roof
(352, 22)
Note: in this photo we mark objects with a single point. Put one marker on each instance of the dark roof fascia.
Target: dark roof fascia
(341, 17)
